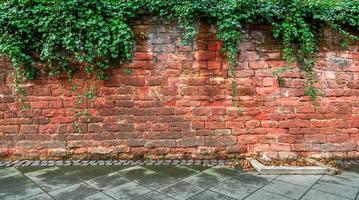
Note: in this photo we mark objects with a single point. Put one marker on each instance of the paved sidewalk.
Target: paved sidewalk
(168, 182)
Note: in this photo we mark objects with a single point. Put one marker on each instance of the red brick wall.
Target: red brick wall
(177, 103)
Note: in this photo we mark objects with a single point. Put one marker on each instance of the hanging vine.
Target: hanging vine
(56, 36)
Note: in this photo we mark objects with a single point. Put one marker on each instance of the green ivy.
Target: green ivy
(56, 36)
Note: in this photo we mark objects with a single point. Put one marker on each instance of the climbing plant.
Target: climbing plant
(55, 36)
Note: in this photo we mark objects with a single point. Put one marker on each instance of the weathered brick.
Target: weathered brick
(29, 129)
(200, 111)
(52, 144)
(221, 141)
(27, 144)
(222, 132)
(9, 128)
(191, 142)
(143, 56)
(294, 123)
(136, 142)
(340, 138)
(79, 143)
(161, 143)
(236, 149)
(94, 128)
(214, 65)
(113, 127)
(205, 55)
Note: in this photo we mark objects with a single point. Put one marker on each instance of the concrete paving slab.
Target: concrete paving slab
(98, 196)
(8, 172)
(210, 195)
(315, 195)
(53, 178)
(73, 192)
(107, 181)
(206, 179)
(225, 171)
(89, 172)
(346, 178)
(265, 195)
(156, 180)
(42, 196)
(285, 189)
(254, 179)
(336, 189)
(135, 172)
(175, 171)
(127, 191)
(181, 190)
(28, 169)
(303, 180)
(17, 187)
(155, 195)
(234, 188)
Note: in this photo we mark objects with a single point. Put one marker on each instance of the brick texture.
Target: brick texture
(177, 102)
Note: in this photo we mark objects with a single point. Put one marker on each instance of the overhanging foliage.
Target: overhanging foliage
(98, 34)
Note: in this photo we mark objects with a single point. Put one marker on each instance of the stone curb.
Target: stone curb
(284, 170)
(39, 163)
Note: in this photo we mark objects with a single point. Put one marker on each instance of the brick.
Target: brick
(268, 81)
(113, 127)
(197, 81)
(100, 150)
(160, 143)
(222, 132)
(294, 123)
(227, 141)
(157, 81)
(215, 125)
(29, 129)
(52, 144)
(125, 80)
(191, 142)
(133, 81)
(340, 138)
(248, 139)
(258, 64)
(79, 143)
(48, 128)
(315, 138)
(253, 124)
(330, 147)
(94, 128)
(215, 46)
(143, 56)
(9, 128)
(214, 65)
(205, 55)
(306, 147)
(200, 111)
(306, 109)
(280, 147)
(41, 91)
(136, 142)
(294, 92)
(180, 126)
(27, 144)
(236, 149)
(167, 135)
(355, 124)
